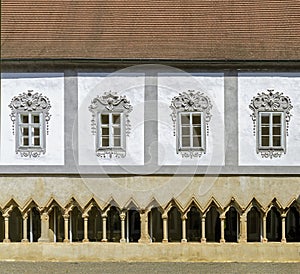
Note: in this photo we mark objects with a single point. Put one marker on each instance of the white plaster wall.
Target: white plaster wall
(90, 85)
(50, 85)
(169, 86)
(249, 84)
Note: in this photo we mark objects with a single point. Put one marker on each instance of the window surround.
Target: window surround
(110, 104)
(270, 104)
(30, 132)
(191, 102)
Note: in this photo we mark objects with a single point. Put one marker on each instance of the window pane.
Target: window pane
(185, 141)
(277, 130)
(265, 141)
(104, 119)
(105, 131)
(25, 131)
(197, 141)
(185, 131)
(197, 131)
(105, 141)
(117, 142)
(36, 131)
(116, 119)
(265, 130)
(36, 119)
(117, 131)
(24, 118)
(276, 119)
(36, 141)
(185, 119)
(276, 141)
(25, 141)
(265, 118)
(196, 119)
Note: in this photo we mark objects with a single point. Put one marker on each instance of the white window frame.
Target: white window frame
(271, 135)
(191, 133)
(111, 127)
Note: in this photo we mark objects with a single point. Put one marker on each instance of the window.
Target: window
(271, 116)
(110, 124)
(30, 116)
(191, 115)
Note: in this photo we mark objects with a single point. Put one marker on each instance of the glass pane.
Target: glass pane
(265, 141)
(197, 141)
(185, 119)
(117, 142)
(105, 141)
(276, 141)
(36, 131)
(197, 131)
(105, 131)
(265, 119)
(185, 131)
(104, 119)
(185, 141)
(24, 118)
(25, 131)
(116, 119)
(277, 130)
(36, 119)
(117, 131)
(276, 119)
(265, 130)
(36, 141)
(196, 119)
(25, 141)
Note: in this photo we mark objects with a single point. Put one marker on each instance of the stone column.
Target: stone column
(25, 238)
(265, 240)
(145, 238)
(222, 218)
(203, 239)
(44, 228)
(66, 219)
(283, 238)
(183, 218)
(123, 217)
(85, 228)
(104, 218)
(243, 226)
(6, 228)
(165, 227)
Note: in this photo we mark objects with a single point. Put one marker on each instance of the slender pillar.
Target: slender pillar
(66, 220)
(243, 231)
(6, 228)
(25, 239)
(283, 238)
(144, 228)
(265, 240)
(203, 239)
(123, 217)
(44, 228)
(165, 228)
(222, 218)
(85, 228)
(183, 239)
(104, 237)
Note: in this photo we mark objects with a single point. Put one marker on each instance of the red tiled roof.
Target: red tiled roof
(165, 29)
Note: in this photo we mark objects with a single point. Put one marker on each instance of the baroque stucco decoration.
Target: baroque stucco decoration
(191, 101)
(30, 102)
(110, 102)
(270, 101)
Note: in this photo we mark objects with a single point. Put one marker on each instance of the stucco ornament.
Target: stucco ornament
(271, 101)
(191, 101)
(110, 102)
(34, 103)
